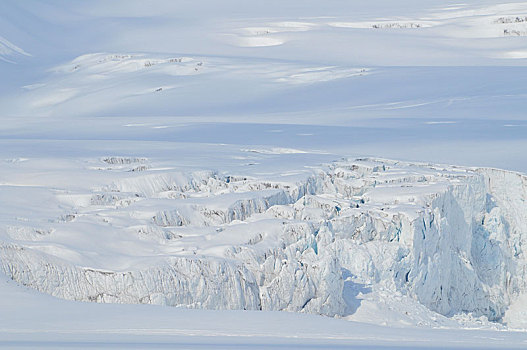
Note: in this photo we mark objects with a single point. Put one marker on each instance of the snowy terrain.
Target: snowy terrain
(239, 156)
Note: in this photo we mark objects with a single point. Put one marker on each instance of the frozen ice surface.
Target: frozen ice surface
(316, 240)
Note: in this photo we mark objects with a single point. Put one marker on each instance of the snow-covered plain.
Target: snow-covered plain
(235, 156)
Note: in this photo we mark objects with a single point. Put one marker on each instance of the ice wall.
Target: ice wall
(449, 238)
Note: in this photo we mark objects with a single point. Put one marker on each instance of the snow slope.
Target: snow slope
(359, 79)
(30, 320)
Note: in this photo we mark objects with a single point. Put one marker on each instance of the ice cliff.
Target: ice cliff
(449, 238)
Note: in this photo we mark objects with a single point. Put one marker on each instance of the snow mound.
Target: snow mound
(268, 34)
(140, 83)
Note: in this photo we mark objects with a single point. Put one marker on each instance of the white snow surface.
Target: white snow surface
(233, 156)
(31, 320)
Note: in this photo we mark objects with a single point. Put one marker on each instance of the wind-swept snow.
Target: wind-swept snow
(8, 50)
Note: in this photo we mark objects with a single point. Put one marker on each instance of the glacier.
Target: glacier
(449, 238)
(172, 174)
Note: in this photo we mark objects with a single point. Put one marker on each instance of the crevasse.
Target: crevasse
(450, 238)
